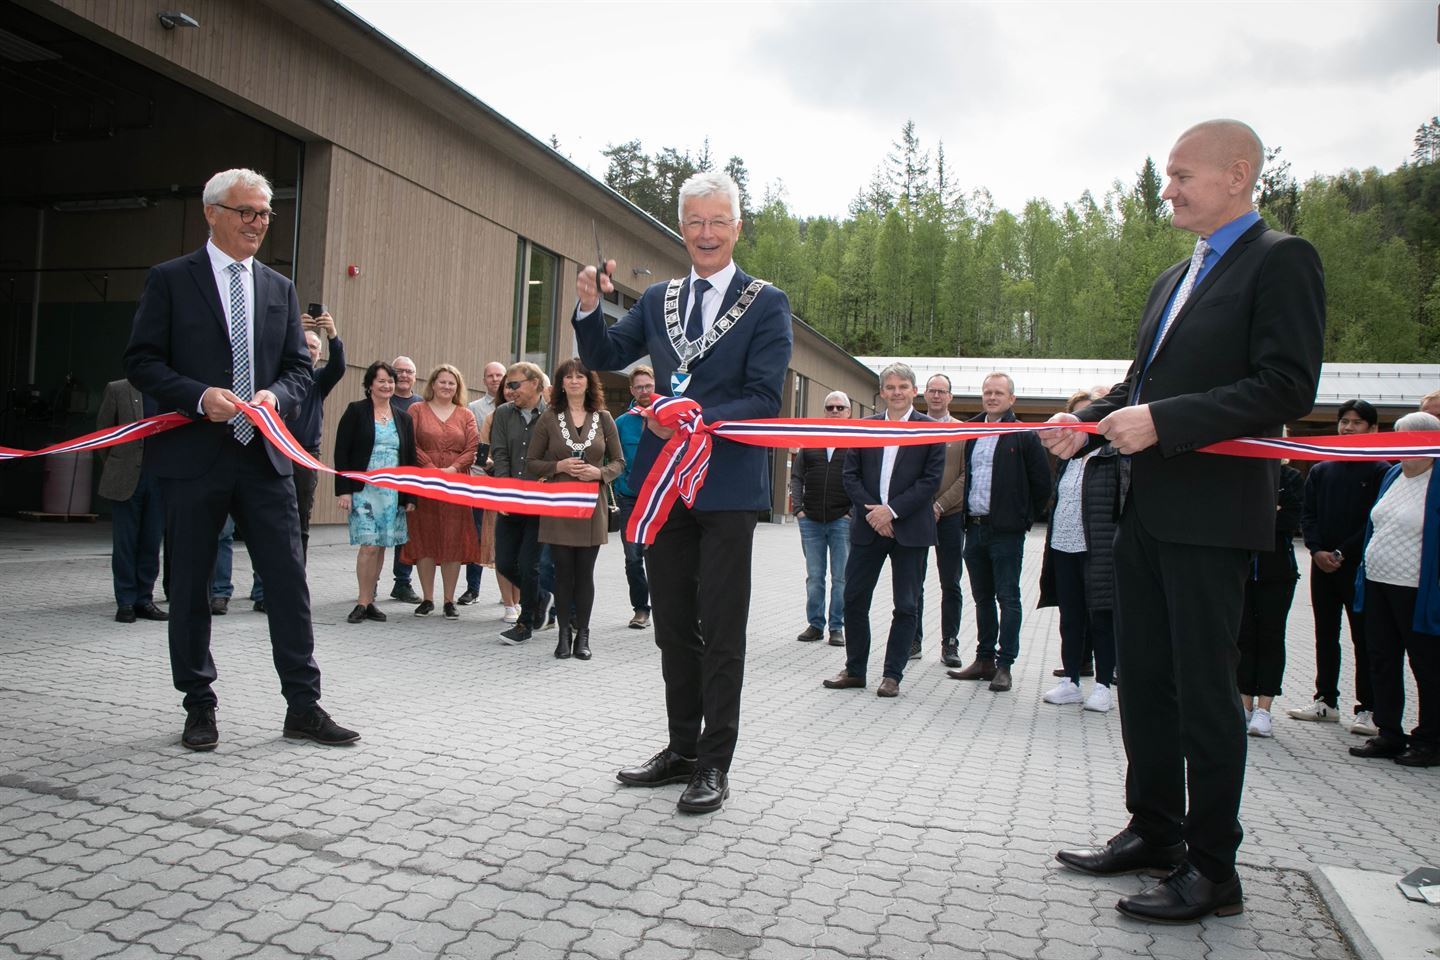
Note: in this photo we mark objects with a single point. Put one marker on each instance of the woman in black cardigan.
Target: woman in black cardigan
(373, 434)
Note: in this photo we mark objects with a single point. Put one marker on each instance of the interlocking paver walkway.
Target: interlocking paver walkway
(479, 817)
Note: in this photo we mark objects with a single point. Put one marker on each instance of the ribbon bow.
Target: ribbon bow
(679, 470)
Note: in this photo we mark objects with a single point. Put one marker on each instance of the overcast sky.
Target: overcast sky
(1030, 99)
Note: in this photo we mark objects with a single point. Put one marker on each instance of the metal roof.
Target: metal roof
(1383, 384)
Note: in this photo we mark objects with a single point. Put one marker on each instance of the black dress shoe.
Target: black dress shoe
(706, 793)
(373, 612)
(837, 638)
(200, 731)
(148, 611)
(219, 606)
(259, 606)
(125, 614)
(1125, 853)
(563, 643)
(1379, 748)
(1185, 897)
(1420, 755)
(667, 766)
(1001, 682)
(582, 644)
(950, 652)
(356, 615)
(315, 724)
(810, 635)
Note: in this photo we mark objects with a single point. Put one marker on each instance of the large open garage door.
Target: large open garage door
(104, 161)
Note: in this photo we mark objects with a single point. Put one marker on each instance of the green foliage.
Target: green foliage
(917, 267)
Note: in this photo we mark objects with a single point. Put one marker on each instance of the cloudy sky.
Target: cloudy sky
(1030, 99)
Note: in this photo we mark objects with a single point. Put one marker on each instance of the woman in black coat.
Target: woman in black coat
(373, 434)
(1268, 592)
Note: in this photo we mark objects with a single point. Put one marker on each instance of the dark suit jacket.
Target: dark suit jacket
(180, 346)
(1020, 481)
(1241, 359)
(914, 481)
(741, 378)
(355, 439)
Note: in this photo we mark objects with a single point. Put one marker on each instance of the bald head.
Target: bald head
(1226, 142)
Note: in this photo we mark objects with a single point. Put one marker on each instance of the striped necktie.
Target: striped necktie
(239, 351)
(1197, 259)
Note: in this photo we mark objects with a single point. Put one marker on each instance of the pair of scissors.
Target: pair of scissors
(601, 264)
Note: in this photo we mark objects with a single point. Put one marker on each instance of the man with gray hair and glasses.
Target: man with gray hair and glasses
(820, 503)
(722, 339)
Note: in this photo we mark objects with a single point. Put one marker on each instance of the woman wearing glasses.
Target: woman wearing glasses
(442, 534)
(372, 434)
(575, 439)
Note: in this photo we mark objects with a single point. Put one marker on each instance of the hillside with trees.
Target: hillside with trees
(922, 266)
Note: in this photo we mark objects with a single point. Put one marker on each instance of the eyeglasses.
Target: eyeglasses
(717, 223)
(515, 384)
(247, 215)
(834, 408)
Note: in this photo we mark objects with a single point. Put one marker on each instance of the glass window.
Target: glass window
(537, 277)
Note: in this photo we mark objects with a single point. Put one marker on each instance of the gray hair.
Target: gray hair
(709, 184)
(897, 369)
(1419, 420)
(218, 187)
(1009, 380)
(838, 395)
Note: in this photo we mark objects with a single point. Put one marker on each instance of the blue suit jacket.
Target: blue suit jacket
(741, 378)
(914, 481)
(180, 346)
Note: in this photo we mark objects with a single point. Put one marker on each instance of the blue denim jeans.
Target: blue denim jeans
(634, 558)
(819, 541)
(473, 571)
(993, 560)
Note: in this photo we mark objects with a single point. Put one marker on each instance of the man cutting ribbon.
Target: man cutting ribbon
(722, 340)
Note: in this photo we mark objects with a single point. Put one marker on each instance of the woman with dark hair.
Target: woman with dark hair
(373, 434)
(1078, 571)
(575, 439)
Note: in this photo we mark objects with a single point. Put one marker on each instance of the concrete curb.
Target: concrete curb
(1345, 920)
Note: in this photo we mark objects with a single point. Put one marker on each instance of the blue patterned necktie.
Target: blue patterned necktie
(239, 351)
(1197, 259)
(695, 326)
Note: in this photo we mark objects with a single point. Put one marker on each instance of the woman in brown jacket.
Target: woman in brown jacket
(575, 440)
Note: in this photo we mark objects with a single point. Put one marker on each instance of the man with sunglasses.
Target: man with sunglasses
(821, 505)
(723, 340)
(214, 330)
(517, 537)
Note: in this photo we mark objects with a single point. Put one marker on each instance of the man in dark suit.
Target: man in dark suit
(1229, 345)
(893, 494)
(722, 339)
(137, 518)
(215, 329)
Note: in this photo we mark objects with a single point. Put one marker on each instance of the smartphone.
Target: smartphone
(315, 309)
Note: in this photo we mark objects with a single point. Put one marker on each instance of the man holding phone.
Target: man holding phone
(307, 424)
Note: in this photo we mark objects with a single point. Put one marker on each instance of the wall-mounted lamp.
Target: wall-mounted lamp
(170, 19)
(640, 271)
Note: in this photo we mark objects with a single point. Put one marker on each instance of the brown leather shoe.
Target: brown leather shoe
(979, 670)
(843, 681)
(889, 687)
(1001, 683)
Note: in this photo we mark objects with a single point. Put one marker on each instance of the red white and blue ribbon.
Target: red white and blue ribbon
(679, 470)
(110, 437)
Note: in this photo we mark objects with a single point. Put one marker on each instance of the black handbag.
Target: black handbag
(612, 522)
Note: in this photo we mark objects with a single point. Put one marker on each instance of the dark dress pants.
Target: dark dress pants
(699, 569)
(517, 559)
(305, 481)
(1390, 633)
(1262, 636)
(241, 483)
(137, 528)
(1178, 619)
(949, 563)
(862, 572)
(1329, 594)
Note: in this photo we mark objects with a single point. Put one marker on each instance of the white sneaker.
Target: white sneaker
(1319, 710)
(1064, 692)
(1364, 724)
(511, 614)
(1260, 724)
(1100, 699)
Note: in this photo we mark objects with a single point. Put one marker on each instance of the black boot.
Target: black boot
(582, 643)
(562, 644)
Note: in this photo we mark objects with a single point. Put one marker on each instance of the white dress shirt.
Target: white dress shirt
(220, 263)
(710, 303)
(887, 465)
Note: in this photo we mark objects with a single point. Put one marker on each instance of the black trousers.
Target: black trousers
(699, 568)
(574, 585)
(1329, 594)
(1083, 632)
(1390, 633)
(950, 563)
(1178, 618)
(1262, 636)
(517, 558)
(242, 483)
(305, 481)
(862, 572)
